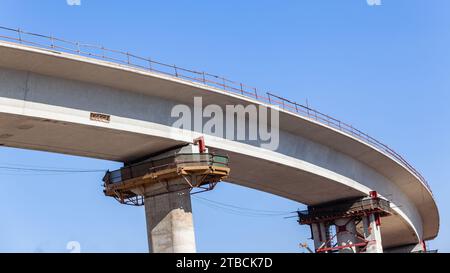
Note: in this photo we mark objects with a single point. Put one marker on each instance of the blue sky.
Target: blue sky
(382, 68)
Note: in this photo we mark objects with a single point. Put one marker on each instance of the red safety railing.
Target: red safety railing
(148, 64)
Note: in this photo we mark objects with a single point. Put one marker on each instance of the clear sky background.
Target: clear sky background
(384, 69)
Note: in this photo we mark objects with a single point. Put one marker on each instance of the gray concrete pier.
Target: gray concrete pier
(168, 211)
(346, 235)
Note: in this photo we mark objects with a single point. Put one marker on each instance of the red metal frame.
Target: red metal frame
(325, 247)
(424, 246)
(322, 250)
(201, 144)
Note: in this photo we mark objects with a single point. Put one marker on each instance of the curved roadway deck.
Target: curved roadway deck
(46, 98)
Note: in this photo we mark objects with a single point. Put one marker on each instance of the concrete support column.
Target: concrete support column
(366, 227)
(346, 234)
(170, 226)
(374, 234)
(319, 235)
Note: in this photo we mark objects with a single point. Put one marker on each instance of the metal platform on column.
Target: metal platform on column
(164, 184)
(201, 171)
(347, 225)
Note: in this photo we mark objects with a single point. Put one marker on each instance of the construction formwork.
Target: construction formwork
(201, 171)
(347, 226)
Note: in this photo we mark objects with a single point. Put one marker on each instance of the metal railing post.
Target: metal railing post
(150, 64)
(20, 35)
(307, 107)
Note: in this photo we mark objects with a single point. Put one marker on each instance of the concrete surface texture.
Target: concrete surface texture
(346, 237)
(46, 99)
(170, 225)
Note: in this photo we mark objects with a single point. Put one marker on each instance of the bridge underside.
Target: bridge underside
(91, 141)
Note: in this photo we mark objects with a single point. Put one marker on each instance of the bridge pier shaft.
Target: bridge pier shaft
(346, 235)
(372, 232)
(163, 184)
(319, 234)
(356, 222)
(168, 212)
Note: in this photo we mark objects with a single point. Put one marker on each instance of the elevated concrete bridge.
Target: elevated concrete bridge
(48, 98)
